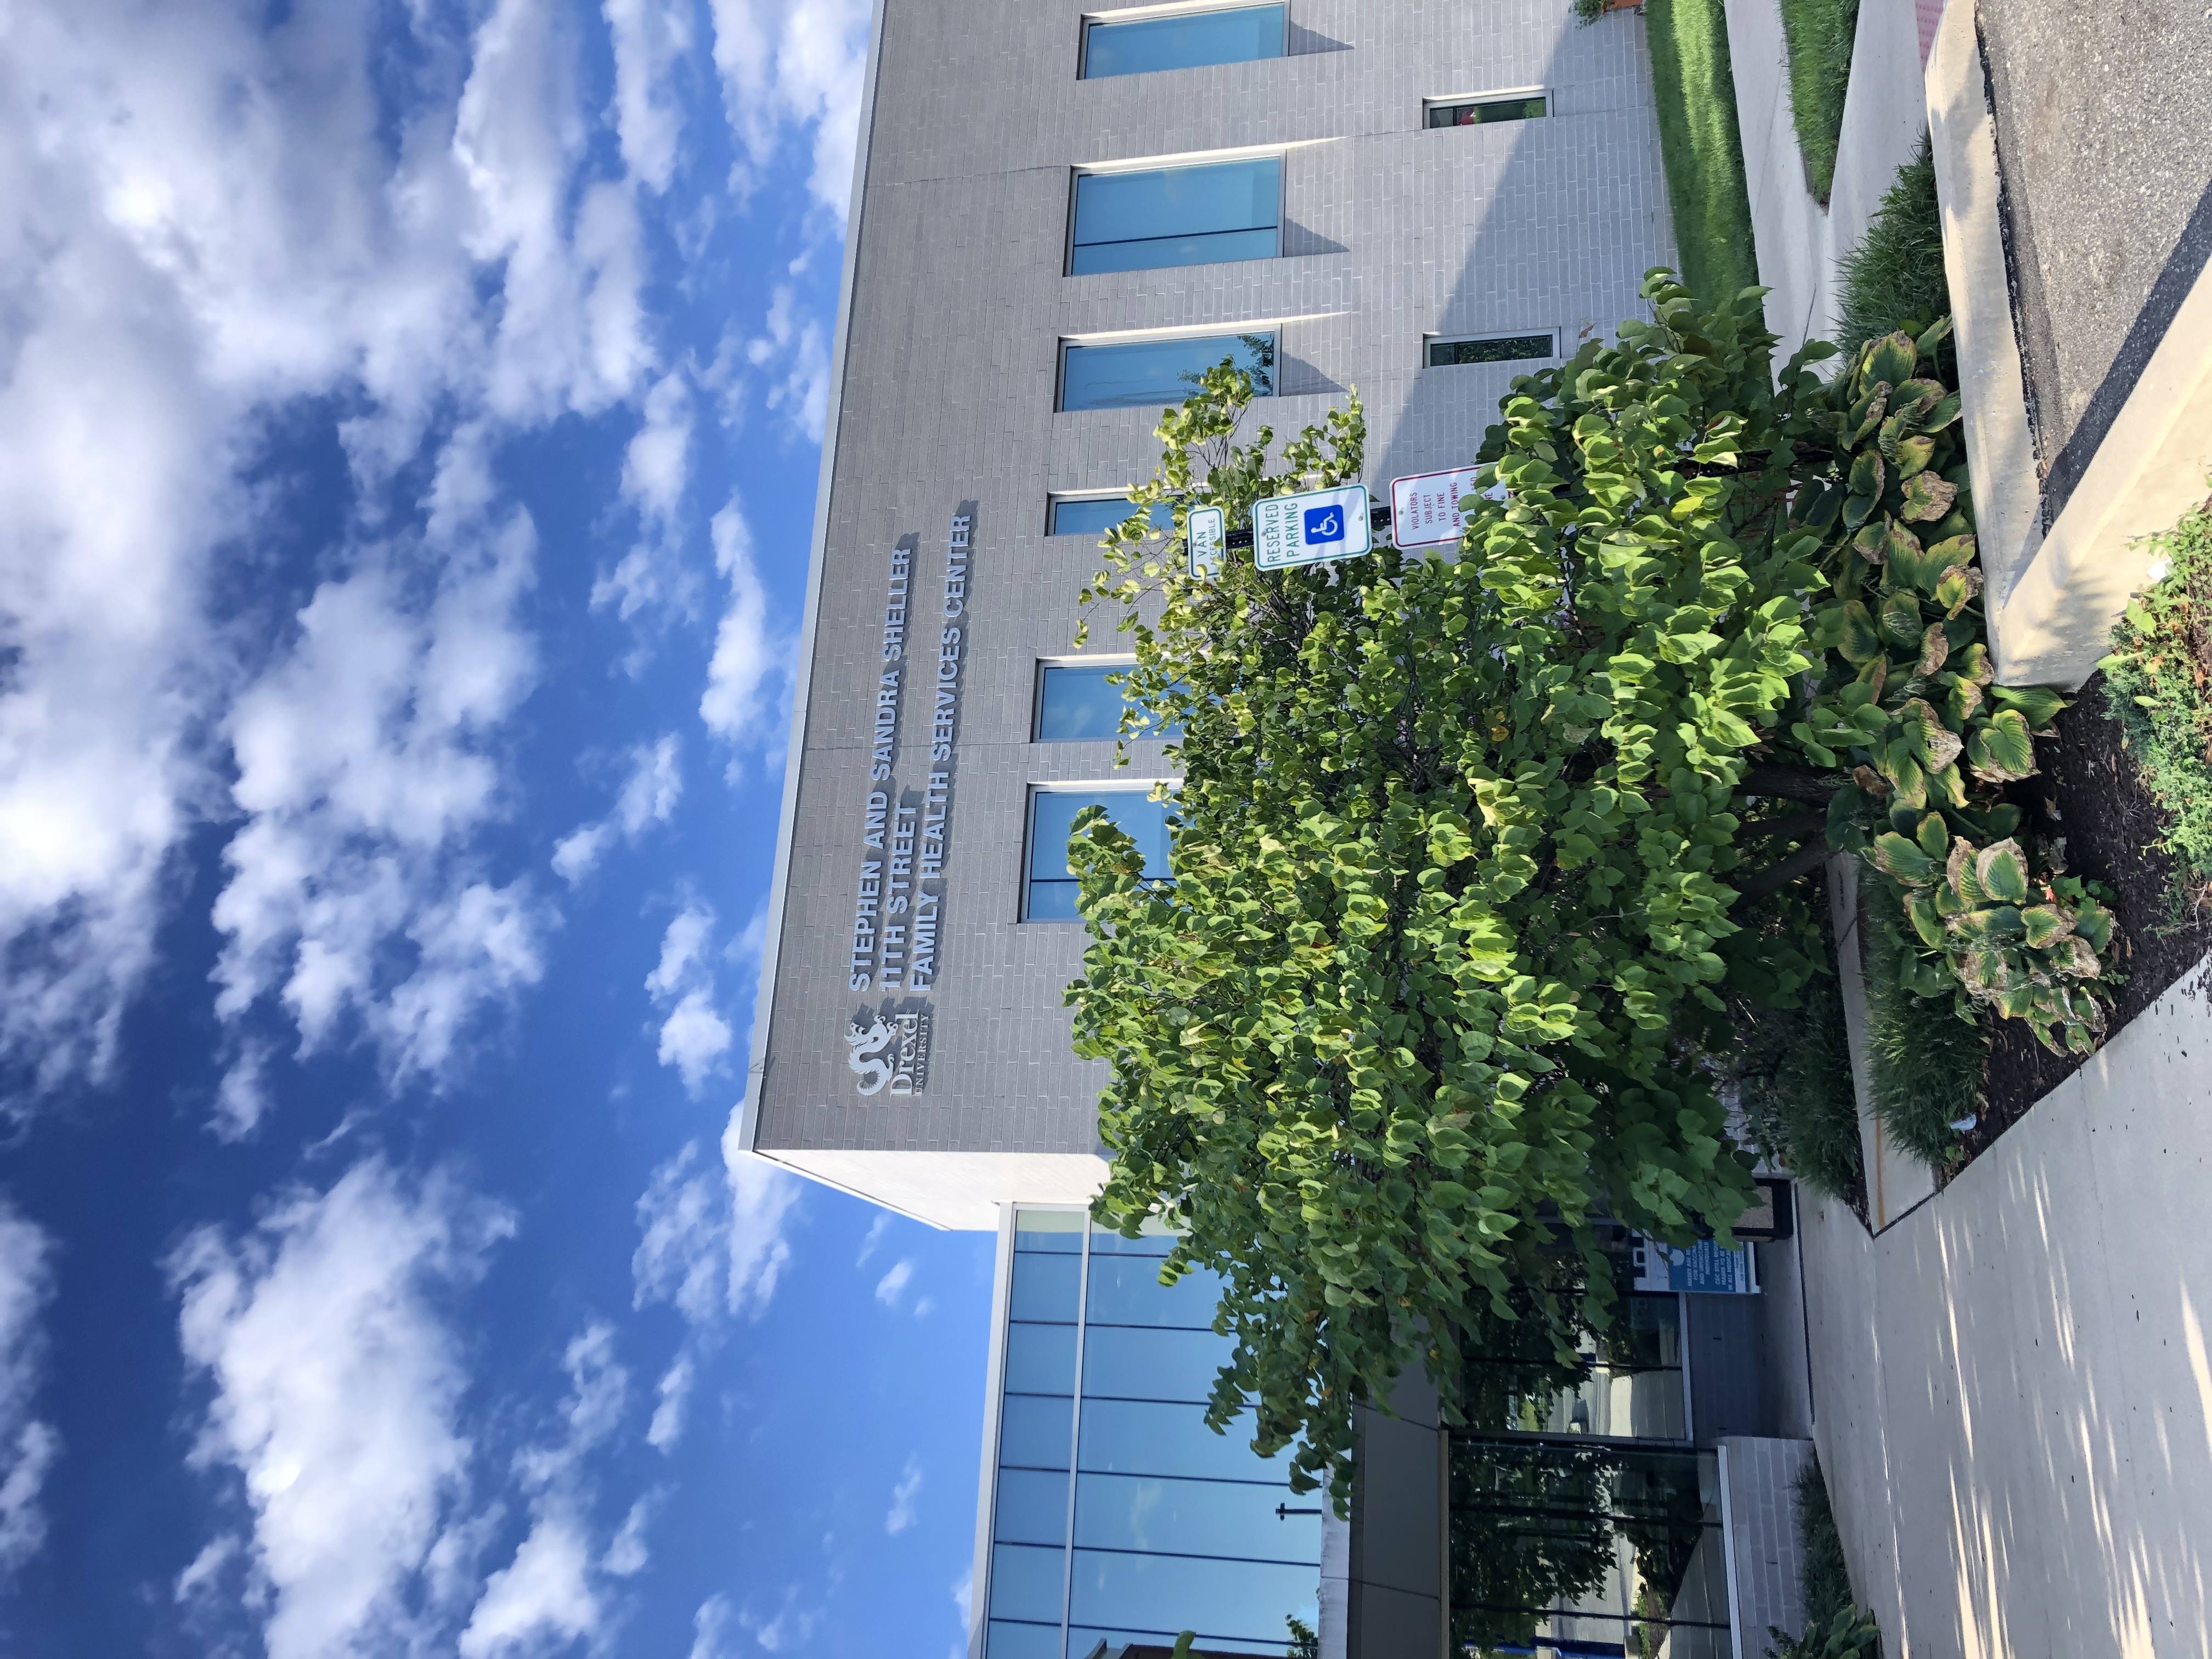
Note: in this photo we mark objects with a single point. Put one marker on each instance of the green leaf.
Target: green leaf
(1893, 358)
(1901, 619)
(2001, 749)
(1856, 638)
(2001, 870)
(1927, 497)
(2045, 923)
(2037, 704)
(1893, 855)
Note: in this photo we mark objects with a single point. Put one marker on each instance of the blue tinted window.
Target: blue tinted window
(1045, 1286)
(1048, 1230)
(1177, 215)
(1052, 817)
(1080, 702)
(1033, 1431)
(1131, 1362)
(1153, 1244)
(1026, 1582)
(1127, 1291)
(1136, 1436)
(1141, 374)
(1023, 1641)
(1094, 515)
(1186, 42)
(1033, 1507)
(1246, 1599)
(1040, 1359)
(1195, 1517)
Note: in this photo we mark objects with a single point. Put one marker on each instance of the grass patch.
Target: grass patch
(1894, 277)
(1701, 146)
(2158, 685)
(1819, 33)
(1926, 1067)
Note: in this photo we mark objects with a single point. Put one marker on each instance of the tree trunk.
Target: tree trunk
(1789, 783)
(1799, 863)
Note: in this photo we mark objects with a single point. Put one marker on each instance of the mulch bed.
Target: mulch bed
(2089, 788)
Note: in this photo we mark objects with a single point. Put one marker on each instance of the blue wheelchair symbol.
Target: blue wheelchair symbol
(1324, 524)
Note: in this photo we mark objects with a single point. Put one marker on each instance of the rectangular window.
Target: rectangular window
(1081, 703)
(1149, 374)
(1190, 216)
(1480, 112)
(1492, 349)
(1051, 885)
(1187, 40)
(1094, 515)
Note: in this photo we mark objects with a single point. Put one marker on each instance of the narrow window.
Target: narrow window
(1491, 349)
(1186, 40)
(1192, 215)
(1480, 112)
(1141, 374)
(1082, 703)
(1094, 515)
(1051, 885)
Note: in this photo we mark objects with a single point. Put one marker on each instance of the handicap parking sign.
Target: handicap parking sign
(1305, 529)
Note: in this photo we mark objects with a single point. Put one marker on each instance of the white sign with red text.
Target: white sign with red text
(1425, 507)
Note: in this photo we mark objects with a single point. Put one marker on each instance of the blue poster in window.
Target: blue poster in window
(1704, 1269)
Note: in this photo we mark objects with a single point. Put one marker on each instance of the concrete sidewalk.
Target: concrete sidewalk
(2013, 1385)
(1799, 241)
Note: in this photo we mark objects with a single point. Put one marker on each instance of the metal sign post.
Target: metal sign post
(1308, 529)
(1207, 533)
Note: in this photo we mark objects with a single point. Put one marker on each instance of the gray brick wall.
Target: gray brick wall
(958, 307)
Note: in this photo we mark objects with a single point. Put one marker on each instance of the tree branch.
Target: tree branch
(1799, 824)
(1789, 783)
(1799, 865)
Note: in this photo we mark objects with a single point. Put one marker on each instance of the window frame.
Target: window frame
(1433, 338)
(1054, 499)
(1499, 95)
(1280, 154)
(1273, 330)
(1067, 786)
(1084, 23)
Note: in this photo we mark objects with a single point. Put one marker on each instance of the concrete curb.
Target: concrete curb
(2052, 598)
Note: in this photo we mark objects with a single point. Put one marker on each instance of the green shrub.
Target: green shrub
(1894, 277)
(1792, 1071)
(1925, 1064)
(1700, 146)
(2158, 685)
(1819, 33)
(1834, 1626)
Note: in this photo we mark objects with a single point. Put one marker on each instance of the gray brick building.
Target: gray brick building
(948, 442)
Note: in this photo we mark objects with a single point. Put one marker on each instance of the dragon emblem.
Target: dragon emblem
(865, 1045)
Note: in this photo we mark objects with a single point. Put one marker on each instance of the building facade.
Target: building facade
(1058, 213)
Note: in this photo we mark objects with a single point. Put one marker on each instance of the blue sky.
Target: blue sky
(408, 422)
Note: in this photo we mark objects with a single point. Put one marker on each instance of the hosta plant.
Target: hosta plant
(1907, 703)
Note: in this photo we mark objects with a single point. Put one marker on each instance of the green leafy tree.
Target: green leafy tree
(1459, 844)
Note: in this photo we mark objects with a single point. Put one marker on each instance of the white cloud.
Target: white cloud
(655, 468)
(892, 1285)
(964, 1595)
(794, 64)
(749, 670)
(336, 1380)
(649, 36)
(675, 1403)
(872, 1237)
(900, 1515)
(544, 1593)
(629, 1555)
(648, 797)
(792, 352)
(715, 1243)
(694, 1036)
(29, 1446)
(711, 1626)
(216, 216)
(365, 769)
